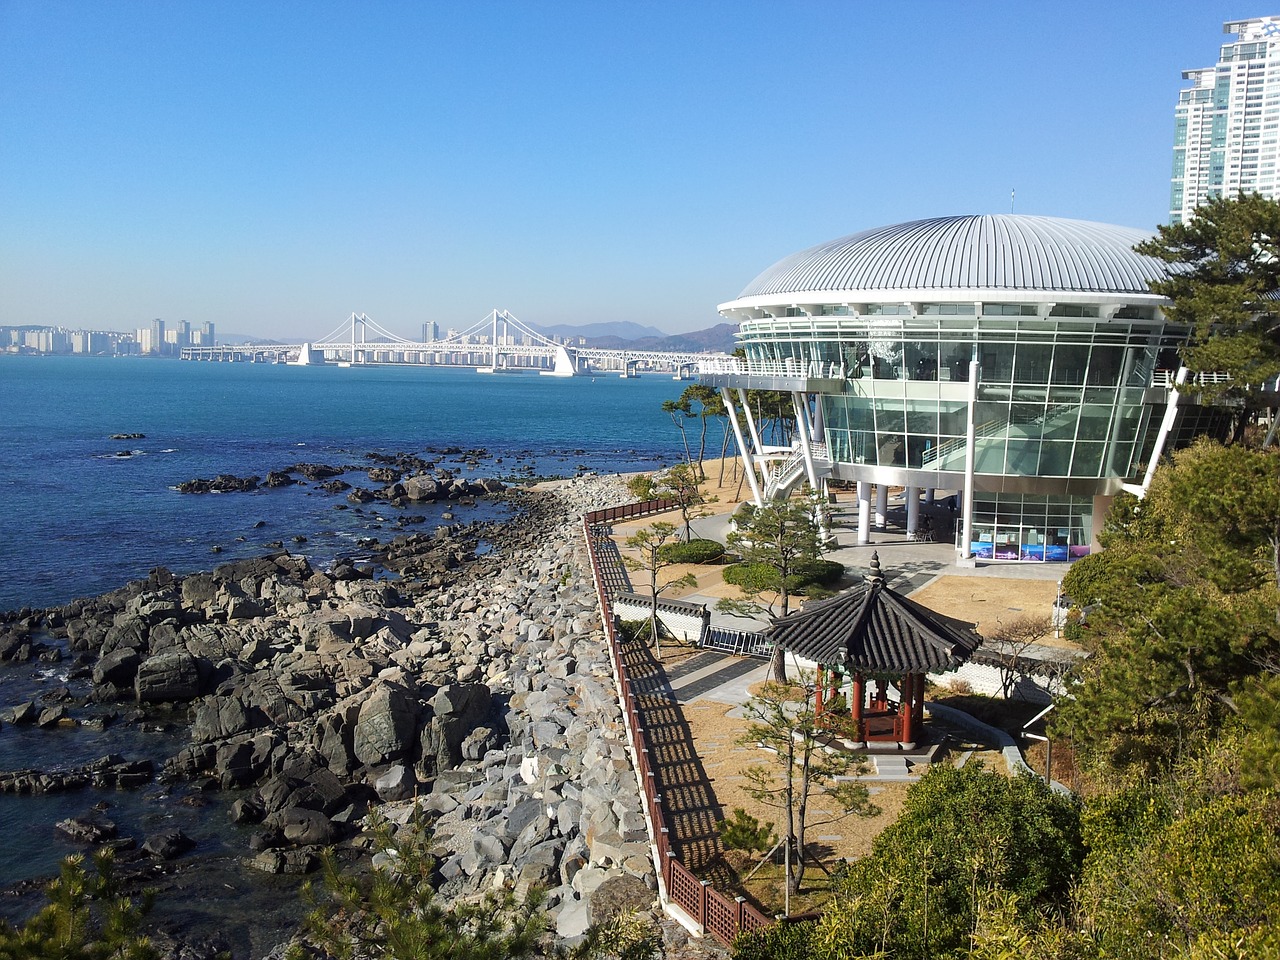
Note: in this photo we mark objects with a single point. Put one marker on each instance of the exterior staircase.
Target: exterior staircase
(784, 476)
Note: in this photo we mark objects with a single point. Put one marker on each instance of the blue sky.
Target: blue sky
(274, 166)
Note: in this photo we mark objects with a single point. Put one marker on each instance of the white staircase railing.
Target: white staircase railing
(788, 472)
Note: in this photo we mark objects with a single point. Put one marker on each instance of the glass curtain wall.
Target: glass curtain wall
(1057, 396)
(1030, 527)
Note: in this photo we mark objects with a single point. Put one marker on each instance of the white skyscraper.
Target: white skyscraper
(1227, 123)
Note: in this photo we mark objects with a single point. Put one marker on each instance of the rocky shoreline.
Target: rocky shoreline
(462, 672)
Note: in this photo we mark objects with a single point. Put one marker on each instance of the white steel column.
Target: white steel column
(743, 453)
(913, 512)
(864, 512)
(802, 427)
(1170, 415)
(756, 444)
(970, 453)
(882, 505)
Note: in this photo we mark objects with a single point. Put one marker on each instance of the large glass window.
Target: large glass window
(1029, 527)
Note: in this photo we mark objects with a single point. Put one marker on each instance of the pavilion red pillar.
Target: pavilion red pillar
(818, 689)
(907, 709)
(920, 683)
(857, 696)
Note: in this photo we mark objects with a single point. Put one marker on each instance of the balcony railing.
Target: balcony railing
(789, 368)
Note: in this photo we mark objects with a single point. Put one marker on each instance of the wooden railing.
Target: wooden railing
(722, 916)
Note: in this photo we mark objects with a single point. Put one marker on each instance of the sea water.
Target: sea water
(83, 514)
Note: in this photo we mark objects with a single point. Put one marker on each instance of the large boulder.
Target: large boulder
(332, 737)
(167, 677)
(421, 487)
(168, 844)
(384, 732)
(458, 709)
(126, 633)
(224, 715)
(118, 667)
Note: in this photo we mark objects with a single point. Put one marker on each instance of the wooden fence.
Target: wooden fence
(722, 916)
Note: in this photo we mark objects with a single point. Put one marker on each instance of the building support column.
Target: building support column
(882, 505)
(801, 406)
(819, 688)
(913, 512)
(928, 494)
(864, 512)
(743, 453)
(1166, 425)
(970, 454)
(757, 444)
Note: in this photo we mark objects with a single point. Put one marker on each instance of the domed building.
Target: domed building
(1021, 362)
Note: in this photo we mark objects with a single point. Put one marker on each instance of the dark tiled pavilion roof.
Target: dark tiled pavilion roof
(883, 631)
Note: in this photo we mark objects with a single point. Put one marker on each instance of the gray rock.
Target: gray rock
(167, 677)
(304, 827)
(168, 845)
(291, 862)
(117, 668)
(52, 716)
(385, 729)
(421, 487)
(93, 830)
(398, 783)
(459, 709)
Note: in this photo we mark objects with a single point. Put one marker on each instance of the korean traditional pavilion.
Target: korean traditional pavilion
(868, 634)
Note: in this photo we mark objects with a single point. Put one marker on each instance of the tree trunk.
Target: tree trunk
(802, 804)
(684, 438)
(792, 884)
(702, 449)
(724, 449)
(778, 664)
(653, 612)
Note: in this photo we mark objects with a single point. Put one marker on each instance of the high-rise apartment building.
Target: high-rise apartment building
(1228, 122)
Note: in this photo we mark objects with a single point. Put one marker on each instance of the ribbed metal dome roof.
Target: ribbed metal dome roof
(992, 252)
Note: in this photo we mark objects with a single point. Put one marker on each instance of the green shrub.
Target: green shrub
(782, 941)
(692, 551)
(816, 572)
(807, 576)
(743, 832)
(87, 918)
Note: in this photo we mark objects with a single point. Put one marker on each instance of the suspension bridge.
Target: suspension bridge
(497, 343)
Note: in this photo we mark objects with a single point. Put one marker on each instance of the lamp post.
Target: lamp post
(1057, 613)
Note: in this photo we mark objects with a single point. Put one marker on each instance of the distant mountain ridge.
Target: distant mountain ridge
(613, 328)
(717, 339)
(614, 335)
(624, 335)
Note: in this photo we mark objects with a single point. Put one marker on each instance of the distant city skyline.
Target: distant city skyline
(1227, 122)
(270, 168)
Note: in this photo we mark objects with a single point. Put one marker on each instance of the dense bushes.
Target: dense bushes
(692, 551)
(808, 574)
